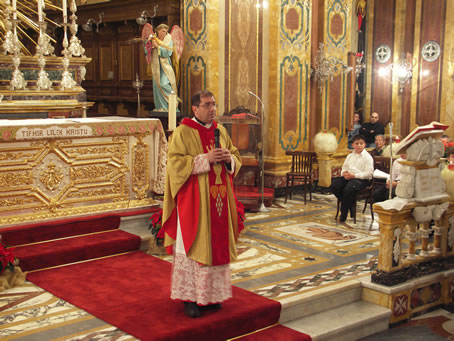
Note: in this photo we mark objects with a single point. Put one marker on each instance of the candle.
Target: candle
(65, 14)
(172, 111)
(14, 10)
(390, 159)
(40, 10)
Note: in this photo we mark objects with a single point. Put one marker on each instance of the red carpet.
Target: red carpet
(132, 292)
(276, 333)
(251, 197)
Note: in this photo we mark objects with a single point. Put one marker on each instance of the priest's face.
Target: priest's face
(206, 110)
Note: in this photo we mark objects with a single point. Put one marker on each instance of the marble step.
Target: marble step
(138, 225)
(315, 301)
(347, 322)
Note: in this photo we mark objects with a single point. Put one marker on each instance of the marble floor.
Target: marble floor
(287, 252)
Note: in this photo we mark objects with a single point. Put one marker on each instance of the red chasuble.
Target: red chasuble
(188, 203)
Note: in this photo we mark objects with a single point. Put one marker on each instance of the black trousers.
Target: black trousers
(382, 193)
(345, 191)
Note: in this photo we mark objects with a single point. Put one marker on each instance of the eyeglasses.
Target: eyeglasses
(207, 105)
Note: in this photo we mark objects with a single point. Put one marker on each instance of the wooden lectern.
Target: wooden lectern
(244, 129)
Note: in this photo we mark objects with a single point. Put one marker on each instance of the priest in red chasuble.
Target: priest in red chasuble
(200, 216)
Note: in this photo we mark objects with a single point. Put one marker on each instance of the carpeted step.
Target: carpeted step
(38, 232)
(75, 249)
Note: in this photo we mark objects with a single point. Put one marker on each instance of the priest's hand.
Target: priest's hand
(227, 155)
(216, 155)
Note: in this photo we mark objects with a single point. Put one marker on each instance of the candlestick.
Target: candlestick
(40, 10)
(390, 160)
(65, 13)
(172, 111)
(75, 45)
(138, 84)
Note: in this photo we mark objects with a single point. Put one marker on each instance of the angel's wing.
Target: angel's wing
(146, 31)
(178, 40)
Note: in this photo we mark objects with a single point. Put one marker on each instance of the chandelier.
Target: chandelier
(402, 71)
(327, 67)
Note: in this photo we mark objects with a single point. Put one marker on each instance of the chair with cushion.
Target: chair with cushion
(301, 171)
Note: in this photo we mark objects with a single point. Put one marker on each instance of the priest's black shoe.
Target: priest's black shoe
(214, 306)
(191, 309)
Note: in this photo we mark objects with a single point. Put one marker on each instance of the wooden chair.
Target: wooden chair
(382, 163)
(301, 170)
(367, 194)
(364, 194)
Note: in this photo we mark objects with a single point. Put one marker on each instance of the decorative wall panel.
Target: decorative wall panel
(294, 73)
(430, 73)
(337, 41)
(243, 59)
(383, 27)
(195, 50)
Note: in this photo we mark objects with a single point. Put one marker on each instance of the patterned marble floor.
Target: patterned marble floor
(292, 249)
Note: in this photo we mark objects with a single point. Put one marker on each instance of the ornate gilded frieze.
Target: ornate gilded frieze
(140, 169)
(84, 167)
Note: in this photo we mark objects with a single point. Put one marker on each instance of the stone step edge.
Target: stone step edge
(344, 328)
(316, 301)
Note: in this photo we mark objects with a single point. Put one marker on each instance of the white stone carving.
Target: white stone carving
(451, 231)
(396, 249)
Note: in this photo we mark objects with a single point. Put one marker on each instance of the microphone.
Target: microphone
(216, 138)
(258, 98)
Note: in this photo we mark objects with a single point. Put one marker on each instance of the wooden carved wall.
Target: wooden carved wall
(115, 62)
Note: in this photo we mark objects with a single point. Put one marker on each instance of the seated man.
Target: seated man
(382, 193)
(372, 129)
(356, 172)
(379, 145)
(355, 129)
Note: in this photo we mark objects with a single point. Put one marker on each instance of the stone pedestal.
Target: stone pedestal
(324, 169)
(9, 279)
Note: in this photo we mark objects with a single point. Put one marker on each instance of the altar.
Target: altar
(52, 168)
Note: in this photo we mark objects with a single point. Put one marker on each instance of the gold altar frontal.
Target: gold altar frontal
(52, 168)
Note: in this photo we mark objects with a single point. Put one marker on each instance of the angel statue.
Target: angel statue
(163, 52)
